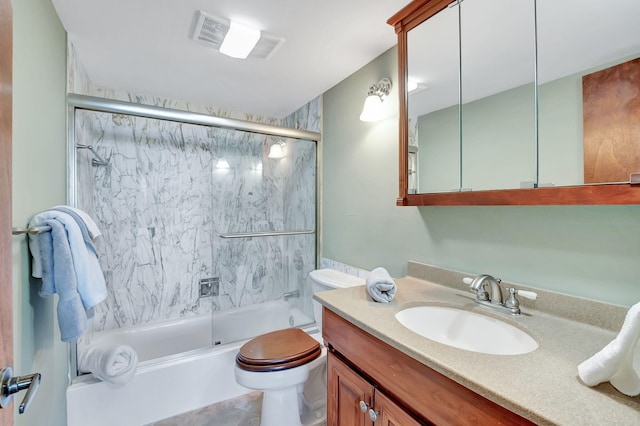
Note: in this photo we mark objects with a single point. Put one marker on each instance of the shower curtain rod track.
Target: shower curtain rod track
(119, 107)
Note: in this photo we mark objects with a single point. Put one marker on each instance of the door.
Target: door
(346, 391)
(611, 123)
(391, 414)
(6, 309)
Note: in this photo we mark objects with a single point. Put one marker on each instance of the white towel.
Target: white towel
(380, 285)
(113, 364)
(614, 363)
(92, 228)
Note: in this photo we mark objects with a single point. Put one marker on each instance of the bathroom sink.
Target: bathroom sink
(466, 330)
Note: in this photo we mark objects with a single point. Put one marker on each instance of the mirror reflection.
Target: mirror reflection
(576, 39)
(472, 118)
(434, 122)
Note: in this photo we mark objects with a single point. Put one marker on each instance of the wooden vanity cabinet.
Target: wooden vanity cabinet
(348, 391)
(402, 390)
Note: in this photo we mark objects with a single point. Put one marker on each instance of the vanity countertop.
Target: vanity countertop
(542, 386)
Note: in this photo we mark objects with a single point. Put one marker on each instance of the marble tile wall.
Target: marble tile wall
(343, 267)
(162, 204)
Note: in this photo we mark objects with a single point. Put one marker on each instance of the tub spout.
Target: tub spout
(289, 294)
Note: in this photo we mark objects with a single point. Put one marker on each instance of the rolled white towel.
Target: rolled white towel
(614, 362)
(113, 364)
(380, 285)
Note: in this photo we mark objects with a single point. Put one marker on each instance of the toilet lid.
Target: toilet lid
(278, 350)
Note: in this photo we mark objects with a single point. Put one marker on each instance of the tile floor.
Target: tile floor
(241, 411)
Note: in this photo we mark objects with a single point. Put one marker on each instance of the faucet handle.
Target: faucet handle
(527, 294)
(513, 303)
(467, 280)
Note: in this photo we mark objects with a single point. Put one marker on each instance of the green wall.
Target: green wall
(590, 251)
(39, 182)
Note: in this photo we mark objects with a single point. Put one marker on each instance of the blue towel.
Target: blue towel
(89, 277)
(58, 275)
(81, 224)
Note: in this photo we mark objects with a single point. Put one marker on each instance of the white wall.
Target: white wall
(590, 251)
(39, 181)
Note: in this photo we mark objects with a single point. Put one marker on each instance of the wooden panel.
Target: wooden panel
(409, 17)
(568, 195)
(611, 123)
(6, 310)
(415, 13)
(426, 393)
(345, 391)
(390, 413)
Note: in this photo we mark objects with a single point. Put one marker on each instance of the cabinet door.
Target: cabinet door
(391, 414)
(346, 389)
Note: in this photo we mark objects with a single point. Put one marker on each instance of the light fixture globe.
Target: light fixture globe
(373, 109)
(277, 150)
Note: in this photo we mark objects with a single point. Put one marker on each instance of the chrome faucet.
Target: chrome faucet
(290, 294)
(493, 298)
(478, 285)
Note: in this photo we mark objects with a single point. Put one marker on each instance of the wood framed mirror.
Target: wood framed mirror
(550, 177)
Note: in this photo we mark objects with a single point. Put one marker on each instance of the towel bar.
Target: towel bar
(34, 230)
(264, 234)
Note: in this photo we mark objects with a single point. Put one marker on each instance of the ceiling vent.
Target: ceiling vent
(210, 30)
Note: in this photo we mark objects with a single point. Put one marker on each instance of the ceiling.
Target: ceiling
(144, 46)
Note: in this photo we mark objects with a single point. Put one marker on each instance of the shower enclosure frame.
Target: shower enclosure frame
(92, 103)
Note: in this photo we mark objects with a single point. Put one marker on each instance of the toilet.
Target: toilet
(289, 366)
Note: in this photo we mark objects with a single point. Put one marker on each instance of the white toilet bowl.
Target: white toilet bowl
(289, 398)
(281, 401)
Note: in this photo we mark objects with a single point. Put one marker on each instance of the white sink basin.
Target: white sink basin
(466, 330)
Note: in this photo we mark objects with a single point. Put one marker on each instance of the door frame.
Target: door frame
(6, 117)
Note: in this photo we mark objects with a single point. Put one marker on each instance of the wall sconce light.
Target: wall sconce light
(222, 164)
(373, 105)
(277, 150)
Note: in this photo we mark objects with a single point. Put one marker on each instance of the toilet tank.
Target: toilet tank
(328, 279)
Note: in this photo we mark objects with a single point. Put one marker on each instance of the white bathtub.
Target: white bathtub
(178, 369)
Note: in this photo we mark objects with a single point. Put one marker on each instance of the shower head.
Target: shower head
(98, 161)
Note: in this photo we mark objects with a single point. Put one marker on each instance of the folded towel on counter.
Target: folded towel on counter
(114, 364)
(614, 363)
(380, 285)
(59, 276)
(89, 277)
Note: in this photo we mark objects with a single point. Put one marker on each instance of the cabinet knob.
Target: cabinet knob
(10, 385)
(373, 414)
(363, 406)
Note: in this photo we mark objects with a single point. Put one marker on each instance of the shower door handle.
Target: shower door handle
(10, 385)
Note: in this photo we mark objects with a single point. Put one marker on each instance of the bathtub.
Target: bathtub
(179, 369)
